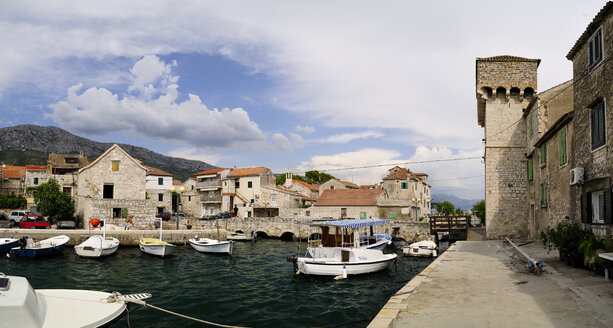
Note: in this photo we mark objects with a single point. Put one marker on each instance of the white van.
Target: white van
(16, 216)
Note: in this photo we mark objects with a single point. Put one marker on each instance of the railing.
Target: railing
(210, 198)
(455, 226)
(215, 183)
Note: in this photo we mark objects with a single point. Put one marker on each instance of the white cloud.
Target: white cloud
(297, 140)
(97, 111)
(344, 138)
(308, 129)
(281, 143)
(151, 70)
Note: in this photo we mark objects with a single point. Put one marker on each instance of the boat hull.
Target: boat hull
(43, 248)
(218, 247)
(95, 246)
(420, 249)
(157, 250)
(312, 266)
(7, 243)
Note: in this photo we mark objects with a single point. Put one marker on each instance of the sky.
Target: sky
(351, 88)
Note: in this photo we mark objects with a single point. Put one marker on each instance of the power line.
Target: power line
(394, 164)
(462, 178)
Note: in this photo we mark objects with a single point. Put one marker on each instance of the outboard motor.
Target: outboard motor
(294, 259)
(23, 242)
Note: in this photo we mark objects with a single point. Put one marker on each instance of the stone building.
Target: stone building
(592, 158)
(505, 85)
(190, 204)
(336, 184)
(302, 187)
(242, 188)
(348, 203)
(209, 190)
(114, 186)
(407, 194)
(280, 201)
(13, 180)
(158, 184)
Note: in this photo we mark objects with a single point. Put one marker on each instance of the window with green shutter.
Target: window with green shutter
(597, 125)
(530, 132)
(543, 150)
(530, 176)
(562, 147)
(362, 215)
(543, 194)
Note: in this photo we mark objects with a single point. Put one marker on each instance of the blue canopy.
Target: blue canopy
(352, 223)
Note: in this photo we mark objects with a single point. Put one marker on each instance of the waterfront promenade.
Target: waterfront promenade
(483, 284)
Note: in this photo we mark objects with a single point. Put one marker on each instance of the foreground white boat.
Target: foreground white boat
(97, 246)
(239, 235)
(330, 261)
(154, 246)
(207, 245)
(421, 249)
(349, 233)
(22, 306)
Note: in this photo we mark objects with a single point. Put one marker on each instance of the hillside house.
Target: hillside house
(157, 185)
(209, 190)
(190, 204)
(407, 194)
(336, 184)
(348, 203)
(13, 180)
(242, 188)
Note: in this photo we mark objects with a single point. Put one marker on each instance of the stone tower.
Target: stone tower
(505, 86)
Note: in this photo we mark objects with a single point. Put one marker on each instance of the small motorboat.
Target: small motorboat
(7, 243)
(156, 246)
(50, 246)
(342, 261)
(239, 235)
(207, 245)
(423, 249)
(97, 246)
(23, 306)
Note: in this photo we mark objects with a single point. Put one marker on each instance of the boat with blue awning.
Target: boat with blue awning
(368, 238)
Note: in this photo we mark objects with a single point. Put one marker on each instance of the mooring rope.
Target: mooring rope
(145, 304)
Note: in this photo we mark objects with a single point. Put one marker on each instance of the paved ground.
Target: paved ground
(483, 284)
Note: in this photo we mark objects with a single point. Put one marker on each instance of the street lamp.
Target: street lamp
(416, 201)
(180, 191)
(265, 207)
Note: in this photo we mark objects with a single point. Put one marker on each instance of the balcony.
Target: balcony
(206, 198)
(211, 184)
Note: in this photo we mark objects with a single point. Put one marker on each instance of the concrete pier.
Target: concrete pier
(126, 237)
(483, 284)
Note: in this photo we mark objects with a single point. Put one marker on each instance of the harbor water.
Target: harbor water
(254, 287)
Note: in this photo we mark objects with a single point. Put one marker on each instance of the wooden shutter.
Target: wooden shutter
(586, 208)
(607, 206)
(530, 177)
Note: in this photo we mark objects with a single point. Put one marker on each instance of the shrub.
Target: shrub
(567, 236)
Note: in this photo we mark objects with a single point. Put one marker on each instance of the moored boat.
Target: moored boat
(349, 233)
(239, 235)
(50, 246)
(207, 245)
(7, 243)
(154, 246)
(421, 249)
(332, 261)
(97, 246)
(22, 306)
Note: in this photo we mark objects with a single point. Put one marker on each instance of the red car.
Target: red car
(33, 221)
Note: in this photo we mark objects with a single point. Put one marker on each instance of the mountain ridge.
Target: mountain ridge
(34, 141)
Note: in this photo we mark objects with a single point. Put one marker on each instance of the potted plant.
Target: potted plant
(566, 237)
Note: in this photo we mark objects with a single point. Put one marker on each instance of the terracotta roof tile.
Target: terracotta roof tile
(247, 171)
(11, 174)
(210, 171)
(349, 184)
(349, 197)
(177, 182)
(308, 185)
(36, 167)
(157, 172)
(507, 58)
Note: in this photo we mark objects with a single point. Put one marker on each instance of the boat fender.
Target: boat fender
(344, 272)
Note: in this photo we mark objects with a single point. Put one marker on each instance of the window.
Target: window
(273, 200)
(543, 150)
(394, 215)
(71, 160)
(543, 196)
(251, 201)
(562, 147)
(596, 207)
(405, 185)
(595, 49)
(237, 184)
(35, 181)
(160, 181)
(597, 125)
(530, 176)
(115, 166)
(249, 184)
(530, 129)
(192, 187)
(67, 190)
(116, 212)
(160, 197)
(107, 191)
(189, 198)
(362, 215)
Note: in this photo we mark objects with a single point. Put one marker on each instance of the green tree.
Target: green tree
(479, 209)
(52, 202)
(13, 201)
(445, 208)
(281, 179)
(316, 177)
(459, 211)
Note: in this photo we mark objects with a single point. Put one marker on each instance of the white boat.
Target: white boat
(154, 246)
(349, 233)
(22, 306)
(97, 246)
(330, 261)
(7, 243)
(207, 245)
(239, 235)
(29, 248)
(422, 249)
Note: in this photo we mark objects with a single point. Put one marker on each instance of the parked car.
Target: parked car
(66, 224)
(224, 215)
(5, 222)
(34, 221)
(209, 217)
(15, 216)
(179, 214)
(165, 216)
